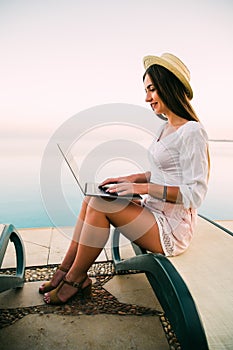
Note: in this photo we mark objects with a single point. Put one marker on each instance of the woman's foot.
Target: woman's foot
(56, 279)
(67, 290)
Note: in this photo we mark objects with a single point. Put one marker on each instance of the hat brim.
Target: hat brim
(151, 60)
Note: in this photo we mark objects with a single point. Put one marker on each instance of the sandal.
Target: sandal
(83, 293)
(47, 286)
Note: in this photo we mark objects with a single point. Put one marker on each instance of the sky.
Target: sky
(60, 57)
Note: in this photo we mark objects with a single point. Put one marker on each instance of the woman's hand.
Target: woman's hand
(115, 180)
(128, 188)
(133, 178)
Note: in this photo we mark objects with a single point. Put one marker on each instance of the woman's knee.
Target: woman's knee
(84, 206)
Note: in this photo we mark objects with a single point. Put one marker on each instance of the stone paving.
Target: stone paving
(123, 311)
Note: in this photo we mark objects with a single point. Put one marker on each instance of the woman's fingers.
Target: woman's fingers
(107, 181)
(120, 179)
(122, 188)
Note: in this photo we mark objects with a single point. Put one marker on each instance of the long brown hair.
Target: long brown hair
(173, 94)
(171, 91)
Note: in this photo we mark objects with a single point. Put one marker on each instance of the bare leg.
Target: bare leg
(70, 254)
(72, 250)
(135, 222)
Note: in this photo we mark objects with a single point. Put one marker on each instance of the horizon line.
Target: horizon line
(220, 140)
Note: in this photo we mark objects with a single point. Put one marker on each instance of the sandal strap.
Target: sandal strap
(62, 268)
(75, 284)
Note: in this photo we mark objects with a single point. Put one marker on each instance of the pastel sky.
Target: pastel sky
(59, 57)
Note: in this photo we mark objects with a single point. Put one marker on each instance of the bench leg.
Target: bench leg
(12, 281)
(170, 290)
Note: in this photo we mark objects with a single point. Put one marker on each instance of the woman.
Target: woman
(176, 185)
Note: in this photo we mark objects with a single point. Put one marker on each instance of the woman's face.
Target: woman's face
(153, 98)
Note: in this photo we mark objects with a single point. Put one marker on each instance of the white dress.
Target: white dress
(180, 160)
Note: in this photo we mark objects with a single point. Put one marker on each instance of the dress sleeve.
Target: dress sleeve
(194, 167)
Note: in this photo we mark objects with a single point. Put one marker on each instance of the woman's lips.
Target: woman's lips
(153, 105)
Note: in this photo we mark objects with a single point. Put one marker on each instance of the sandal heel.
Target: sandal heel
(87, 292)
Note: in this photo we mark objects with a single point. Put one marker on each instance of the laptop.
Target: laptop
(92, 189)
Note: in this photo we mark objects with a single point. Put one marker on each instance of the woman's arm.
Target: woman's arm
(194, 164)
(165, 193)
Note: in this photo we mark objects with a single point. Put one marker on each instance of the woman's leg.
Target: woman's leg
(72, 250)
(136, 223)
(70, 254)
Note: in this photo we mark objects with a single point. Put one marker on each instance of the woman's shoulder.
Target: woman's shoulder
(192, 125)
(193, 128)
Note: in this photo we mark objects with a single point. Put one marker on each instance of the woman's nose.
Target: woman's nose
(148, 97)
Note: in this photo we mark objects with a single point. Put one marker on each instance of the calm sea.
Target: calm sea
(21, 203)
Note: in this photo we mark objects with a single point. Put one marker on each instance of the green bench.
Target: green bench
(195, 289)
(9, 233)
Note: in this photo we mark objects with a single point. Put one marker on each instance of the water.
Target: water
(218, 204)
(21, 203)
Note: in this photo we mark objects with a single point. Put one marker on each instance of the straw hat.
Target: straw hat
(174, 65)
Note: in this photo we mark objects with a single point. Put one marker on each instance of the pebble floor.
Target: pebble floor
(101, 302)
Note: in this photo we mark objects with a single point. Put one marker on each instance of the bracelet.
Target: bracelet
(164, 193)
